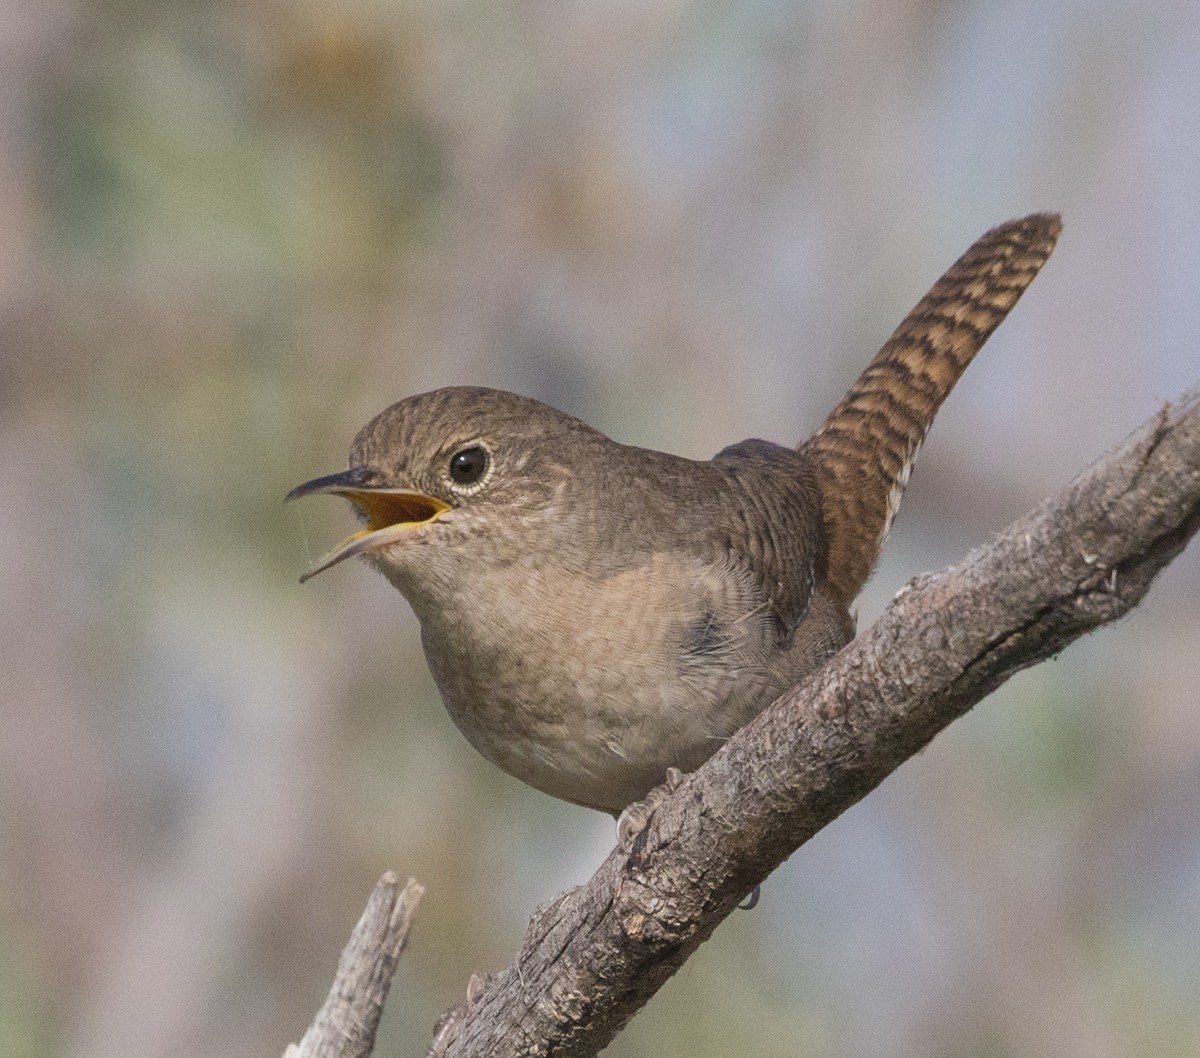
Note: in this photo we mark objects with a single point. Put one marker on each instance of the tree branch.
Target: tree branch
(1083, 558)
(345, 1025)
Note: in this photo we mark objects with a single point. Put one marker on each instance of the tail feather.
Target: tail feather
(865, 449)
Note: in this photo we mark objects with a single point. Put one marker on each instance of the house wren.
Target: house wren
(595, 613)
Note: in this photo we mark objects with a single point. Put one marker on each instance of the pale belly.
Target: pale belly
(582, 743)
(589, 689)
(590, 695)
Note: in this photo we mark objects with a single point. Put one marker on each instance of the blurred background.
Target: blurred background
(232, 232)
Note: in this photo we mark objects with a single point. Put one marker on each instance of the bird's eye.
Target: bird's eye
(468, 465)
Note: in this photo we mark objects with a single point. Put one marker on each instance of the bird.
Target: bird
(597, 615)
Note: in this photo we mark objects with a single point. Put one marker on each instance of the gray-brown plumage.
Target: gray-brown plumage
(594, 613)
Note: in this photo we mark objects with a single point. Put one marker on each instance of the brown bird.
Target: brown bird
(595, 613)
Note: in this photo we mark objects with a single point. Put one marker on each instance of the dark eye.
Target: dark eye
(468, 465)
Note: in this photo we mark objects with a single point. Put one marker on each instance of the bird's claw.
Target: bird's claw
(636, 817)
(476, 986)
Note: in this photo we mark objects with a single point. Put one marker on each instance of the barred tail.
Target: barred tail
(865, 450)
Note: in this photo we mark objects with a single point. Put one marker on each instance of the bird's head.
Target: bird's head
(451, 469)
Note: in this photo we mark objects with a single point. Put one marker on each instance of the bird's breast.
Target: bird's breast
(590, 685)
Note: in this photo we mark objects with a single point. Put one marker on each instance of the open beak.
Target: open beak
(390, 513)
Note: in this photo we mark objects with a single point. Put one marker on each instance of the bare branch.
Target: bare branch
(594, 956)
(345, 1025)
(1081, 559)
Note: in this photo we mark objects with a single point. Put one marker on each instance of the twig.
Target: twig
(346, 1024)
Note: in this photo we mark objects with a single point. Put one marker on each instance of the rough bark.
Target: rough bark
(1083, 558)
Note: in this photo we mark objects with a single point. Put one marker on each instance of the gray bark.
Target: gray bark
(346, 1024)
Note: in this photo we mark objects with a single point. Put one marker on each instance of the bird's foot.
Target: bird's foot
(751, 901)
(636, 817)
(476, 986)
(446, 1027)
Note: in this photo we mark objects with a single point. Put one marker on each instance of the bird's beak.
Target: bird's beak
(390, 513)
